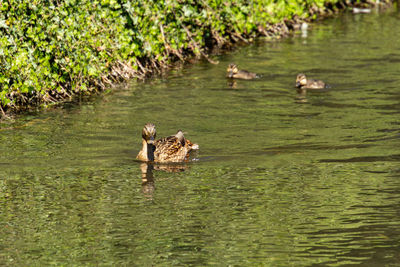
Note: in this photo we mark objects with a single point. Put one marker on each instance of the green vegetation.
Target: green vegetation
(51, 50)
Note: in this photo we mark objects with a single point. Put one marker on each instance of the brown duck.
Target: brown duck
(235, 73)
(303, 83)
(174, 148)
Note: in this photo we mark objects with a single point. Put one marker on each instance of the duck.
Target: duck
(174, 148)
(235, 73)
(303, 83)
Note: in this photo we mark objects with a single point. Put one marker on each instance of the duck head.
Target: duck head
(232, 70)
(149, 133)
(301, 80)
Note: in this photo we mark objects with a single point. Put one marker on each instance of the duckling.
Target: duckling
(174, 148)
(303, 83)
(234, 72)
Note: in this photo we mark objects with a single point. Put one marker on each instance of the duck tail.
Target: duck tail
(181, 138)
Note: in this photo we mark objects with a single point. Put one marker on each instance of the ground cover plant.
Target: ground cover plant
(51, 50)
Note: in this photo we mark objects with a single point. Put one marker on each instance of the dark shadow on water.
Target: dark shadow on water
(327, 71)
(382, 139)
(313, 146)
(389, 158)
(302, 115)
(337, 105)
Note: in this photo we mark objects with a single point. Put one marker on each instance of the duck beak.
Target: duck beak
(151, 140)
(297, 84)
(230, 74)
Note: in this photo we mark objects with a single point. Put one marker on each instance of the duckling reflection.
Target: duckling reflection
(301, 96)
(232, 83)
(303, 82)
(235, 73)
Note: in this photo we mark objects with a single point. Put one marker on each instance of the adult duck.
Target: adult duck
(174, 148)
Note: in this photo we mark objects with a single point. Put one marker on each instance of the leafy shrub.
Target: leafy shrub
(50, 49)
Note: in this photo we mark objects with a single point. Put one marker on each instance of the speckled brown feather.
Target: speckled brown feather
(172, 149)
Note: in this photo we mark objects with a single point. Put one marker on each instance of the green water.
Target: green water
(281, 179)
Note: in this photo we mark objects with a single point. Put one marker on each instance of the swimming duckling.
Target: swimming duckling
(303, 83)
(174, 148)
(234, 72)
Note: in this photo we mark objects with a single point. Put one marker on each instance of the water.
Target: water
(281, 179)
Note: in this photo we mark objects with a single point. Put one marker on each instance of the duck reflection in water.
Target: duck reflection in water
(232, 83)
(301, 96)
(147, 168)
(147, 179)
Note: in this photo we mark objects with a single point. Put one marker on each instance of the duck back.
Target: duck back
(244, 74)
(315, 84)
(173, 149)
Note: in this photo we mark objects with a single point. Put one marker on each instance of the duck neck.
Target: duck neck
(148, 151)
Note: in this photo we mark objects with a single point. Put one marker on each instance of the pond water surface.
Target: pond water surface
(281, 179)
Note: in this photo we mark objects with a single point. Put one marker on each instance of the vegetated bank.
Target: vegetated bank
(53, 50)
